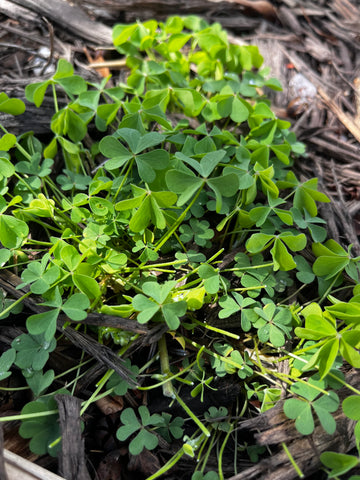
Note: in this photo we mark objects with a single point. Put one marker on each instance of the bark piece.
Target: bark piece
(274, 428)
(72, 463)
(71, 18)
(3, 474)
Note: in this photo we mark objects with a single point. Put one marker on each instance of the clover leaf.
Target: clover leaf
(6, 361)
(279, 252)
(310, 400)
(147, 163)
(159, 299)
(32, 351)
(322, 326)
(131, 424)
(40, 275)
(199, 230)
(13, 106)
(43, 430)
(274, 324)
(171, 427)
(237, 303)
(150, 206)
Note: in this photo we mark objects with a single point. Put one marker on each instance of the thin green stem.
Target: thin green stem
(220, 456)
(192, 415)
(178, 222)
(292, 460)
(12, 305)
(168, 389)
(25, 416)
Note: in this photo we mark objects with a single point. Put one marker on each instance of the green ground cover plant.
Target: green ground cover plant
(170, 199)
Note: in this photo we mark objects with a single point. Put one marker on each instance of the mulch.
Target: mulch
(312, 47)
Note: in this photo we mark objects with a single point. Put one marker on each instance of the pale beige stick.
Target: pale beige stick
(349, 122)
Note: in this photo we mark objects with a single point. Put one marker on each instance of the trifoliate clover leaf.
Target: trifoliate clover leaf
(172, 427)
(274, 324)
(32, 351)
(160, 301)
(311, 399)
(131, 424)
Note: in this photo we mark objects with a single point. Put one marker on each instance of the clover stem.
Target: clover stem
(178, 222)
(208, 451)
(12, 305)
(167, 388)
(192, 415)
(169, 464)
(56, 106)
(220, 456)
(328, 290)
(292, 460)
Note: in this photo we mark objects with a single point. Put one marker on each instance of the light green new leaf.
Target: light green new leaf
(71, 257)
(147, 308)
(259, 242)
(281, 257)
(7, 169)
(87, 285)
(7, 141)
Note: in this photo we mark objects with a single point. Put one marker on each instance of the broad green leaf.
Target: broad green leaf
(349, 312)
(63, 69)
(301, 411)
(351, 407)
(75, 306)
(32, 351)
(7, 169)
(35, 92)
(111, 148)
(144, 439)
(239, 112)
(258, 242)
(71, 257)
(13, 106)
(329, 266)
(6, 361)
(294, 242)
(149, 162)
(43, 323)
(39, 381)
(339, 463)
(12, 231)
(184, 184)
(7, 141)
(281, 257)
(323, 406)
(147, 308)
(43, 430)
(172, 312)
